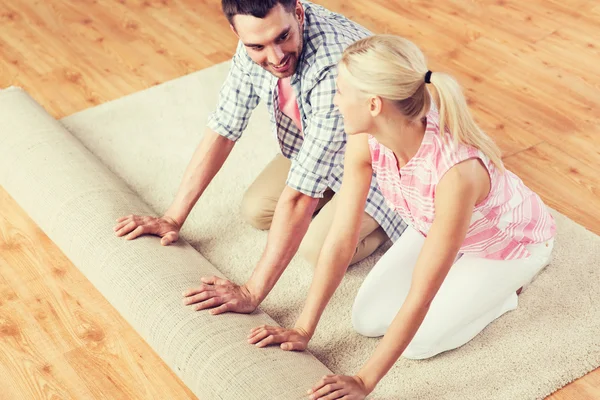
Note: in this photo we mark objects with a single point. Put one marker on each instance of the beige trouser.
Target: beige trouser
(260, 200)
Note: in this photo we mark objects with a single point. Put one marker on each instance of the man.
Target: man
(287, 56)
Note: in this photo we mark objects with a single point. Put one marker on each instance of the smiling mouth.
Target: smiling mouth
(284, 64)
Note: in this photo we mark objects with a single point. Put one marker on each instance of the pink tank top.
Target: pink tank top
(287, 101)
(511, 217)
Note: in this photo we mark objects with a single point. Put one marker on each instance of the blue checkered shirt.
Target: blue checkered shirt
(317, 153)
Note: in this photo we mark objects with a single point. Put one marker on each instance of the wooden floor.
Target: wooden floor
(529, 68)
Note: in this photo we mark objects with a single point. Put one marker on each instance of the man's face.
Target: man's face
(273, 42)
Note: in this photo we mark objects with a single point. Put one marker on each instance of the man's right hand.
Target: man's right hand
(134, 226)
(221, 296)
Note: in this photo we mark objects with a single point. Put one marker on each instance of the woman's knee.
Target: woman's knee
(370, 323)
(427, 342)
(365, 320)
(419, 351)
(367, 327)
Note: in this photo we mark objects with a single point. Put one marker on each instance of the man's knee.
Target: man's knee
(257, 211)
(310, 248)
(369, 245)
(312, 244)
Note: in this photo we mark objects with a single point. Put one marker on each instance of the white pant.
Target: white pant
(475, 292)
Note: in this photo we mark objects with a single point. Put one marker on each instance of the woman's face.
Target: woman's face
(353, 104)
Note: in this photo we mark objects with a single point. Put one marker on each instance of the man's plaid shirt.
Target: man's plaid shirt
(317, 154)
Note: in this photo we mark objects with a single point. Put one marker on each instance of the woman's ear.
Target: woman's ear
(375, 105)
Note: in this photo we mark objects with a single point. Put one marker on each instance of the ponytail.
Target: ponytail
(455, 115)
(395, 68)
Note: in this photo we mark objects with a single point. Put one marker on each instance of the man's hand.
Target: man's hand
(290, 339)
(134, 226)
(222, 296)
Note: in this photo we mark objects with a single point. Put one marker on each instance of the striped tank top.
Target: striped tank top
(511, 217)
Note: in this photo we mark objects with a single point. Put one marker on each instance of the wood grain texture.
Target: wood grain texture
(59, 337)
(529, 71)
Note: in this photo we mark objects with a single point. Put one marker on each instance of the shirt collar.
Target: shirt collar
(309, 45)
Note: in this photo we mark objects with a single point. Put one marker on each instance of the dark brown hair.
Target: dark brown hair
(256, 8)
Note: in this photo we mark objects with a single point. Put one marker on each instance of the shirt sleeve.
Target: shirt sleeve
(237, 100)
(322, 151)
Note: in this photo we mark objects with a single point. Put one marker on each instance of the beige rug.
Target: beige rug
(552, 338)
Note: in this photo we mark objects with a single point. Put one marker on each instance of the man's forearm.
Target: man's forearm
(206, 161)
(292, 217)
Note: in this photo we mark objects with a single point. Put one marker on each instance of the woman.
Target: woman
(476, 233)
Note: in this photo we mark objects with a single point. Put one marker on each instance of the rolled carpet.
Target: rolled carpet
(75, 200)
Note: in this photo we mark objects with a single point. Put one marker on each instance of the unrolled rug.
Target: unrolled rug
(146, 140)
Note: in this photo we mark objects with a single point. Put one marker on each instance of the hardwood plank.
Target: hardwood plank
(566, 184)
(104, 372)
(583, 146)
(30, 362)
(59, 337)
(17, 254)
(528, 70)
(7, 294)
(405, 18)
(583, 388)
(118, 48)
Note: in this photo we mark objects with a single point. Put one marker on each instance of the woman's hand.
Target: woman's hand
(290, 339)
(339, 387)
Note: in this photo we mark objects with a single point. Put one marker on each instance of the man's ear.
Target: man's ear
(375, 105)
(233, 30)
(299, 12)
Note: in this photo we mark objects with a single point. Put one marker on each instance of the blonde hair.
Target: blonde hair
(394, 68)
